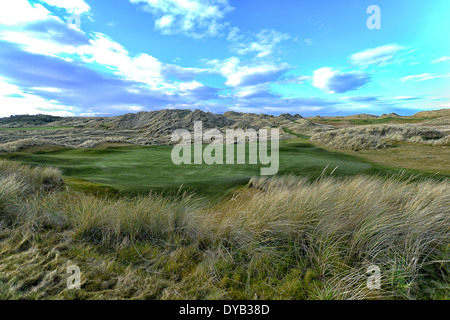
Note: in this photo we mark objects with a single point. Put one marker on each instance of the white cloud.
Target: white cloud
(164, 22)
(136, 108)
(247, 75)
(15, 101)
(294, 79)
(144, 68)
(37, 30)
(108, 53)
(308, 42)
(234, 35)
(405, 98)
(47, 89)
(72, 6)
(44, 44)
(442, 59)
(21, 11)
(111, 23)
(186, 87)
(332, 81)
(8, 89)
(424, 77)
(196, 18)
(321, 77)
(251, 92)
(377, 56)
(263, 43)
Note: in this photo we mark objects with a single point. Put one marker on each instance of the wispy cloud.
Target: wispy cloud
(263, 44)
(424, 77)
(196, 18)
(363, 99)
(442, 59)
(377, 56)
(71, 6)
(406, 98)
(254, 92)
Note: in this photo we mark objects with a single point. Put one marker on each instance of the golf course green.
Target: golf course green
(139, 169)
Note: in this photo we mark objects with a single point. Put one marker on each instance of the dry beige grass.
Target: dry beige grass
(30, 179)
(426, 158)
(373, 137)
(21, 144)
(96, 143)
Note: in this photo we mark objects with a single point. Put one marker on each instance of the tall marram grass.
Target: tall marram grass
(21, 144)
(283, 237)
(343, 224)
(110, 221)
(30, 179)
(379, 136)
(19, 182)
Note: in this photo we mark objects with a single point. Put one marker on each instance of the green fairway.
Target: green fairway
(140, 169)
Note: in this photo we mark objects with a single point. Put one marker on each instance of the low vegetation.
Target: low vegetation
(379, 136)
(21, 144)
(284, 237)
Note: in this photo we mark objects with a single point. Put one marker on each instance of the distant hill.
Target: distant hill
(28, 120)
(433, 113)
(160, 122)
(157, 127)
(390, 116)
(165, 121)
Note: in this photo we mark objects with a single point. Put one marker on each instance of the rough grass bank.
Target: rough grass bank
(279, 238)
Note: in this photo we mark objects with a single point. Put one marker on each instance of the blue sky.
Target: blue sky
(262, 56)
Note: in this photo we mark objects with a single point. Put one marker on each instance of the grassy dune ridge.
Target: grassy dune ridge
(380, 136)
(284, 237)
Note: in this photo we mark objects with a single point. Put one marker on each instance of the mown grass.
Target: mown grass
(299, 136)
(137, 169)
(280, 238)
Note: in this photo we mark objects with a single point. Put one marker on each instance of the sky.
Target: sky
(260, 56)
